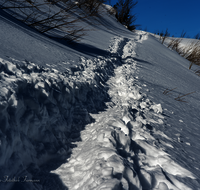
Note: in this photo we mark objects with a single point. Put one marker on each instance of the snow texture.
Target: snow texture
(102, 123)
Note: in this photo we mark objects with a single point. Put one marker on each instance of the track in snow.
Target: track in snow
(118, 150)
(93, 115)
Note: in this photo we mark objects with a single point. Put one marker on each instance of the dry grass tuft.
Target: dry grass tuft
(192, 53)
(167, 91)
(180, 97)
(175, 45)
(197, 72)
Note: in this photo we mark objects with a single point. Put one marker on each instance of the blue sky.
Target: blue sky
(176, 15)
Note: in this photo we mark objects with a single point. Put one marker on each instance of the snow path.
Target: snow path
(92, 123)
(92, 118)
(117, 151)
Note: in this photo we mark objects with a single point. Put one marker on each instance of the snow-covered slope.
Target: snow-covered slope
(106, 113)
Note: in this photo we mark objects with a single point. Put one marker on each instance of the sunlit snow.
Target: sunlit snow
(94, 116)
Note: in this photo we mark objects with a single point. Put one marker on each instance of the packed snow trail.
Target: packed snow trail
(93, 115)
(117, 151)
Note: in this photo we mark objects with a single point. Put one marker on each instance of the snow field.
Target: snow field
(98, 118)
(94, 116)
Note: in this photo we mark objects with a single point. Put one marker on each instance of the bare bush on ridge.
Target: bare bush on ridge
(124, 13)
(190, 52)
(91, 7)
(197, 36)
(165, 35)
(174, 44)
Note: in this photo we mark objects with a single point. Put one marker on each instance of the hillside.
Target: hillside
(116, 110)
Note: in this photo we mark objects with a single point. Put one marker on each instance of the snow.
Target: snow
(93, 115)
